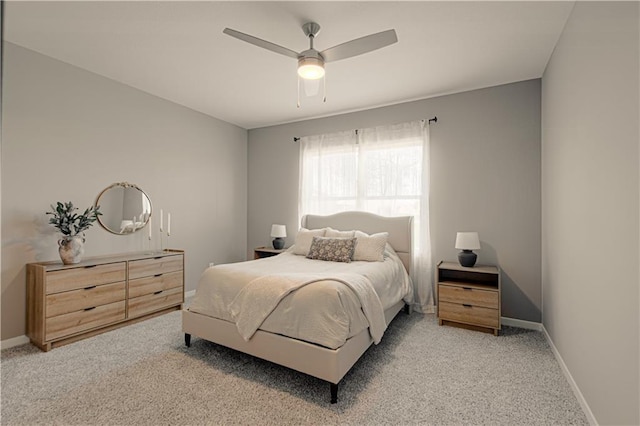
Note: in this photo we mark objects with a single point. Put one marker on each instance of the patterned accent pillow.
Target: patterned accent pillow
(332, 249)
(339, 234)
(304, 238)
(370, 248)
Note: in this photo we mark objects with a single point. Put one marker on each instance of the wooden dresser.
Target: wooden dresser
(469, 296)
(66, 303)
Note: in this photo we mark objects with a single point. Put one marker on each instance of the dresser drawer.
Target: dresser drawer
(468, 295)
(75, 322)
(469, 314)
(150, 267)
(148, 285)
(78, 300)
(155, 301)
(81, 277)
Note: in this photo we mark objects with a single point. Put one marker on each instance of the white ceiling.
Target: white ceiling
(177, 51)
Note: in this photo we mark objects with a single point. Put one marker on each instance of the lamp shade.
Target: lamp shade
(278, 231)
(467, 241)
(311, 87)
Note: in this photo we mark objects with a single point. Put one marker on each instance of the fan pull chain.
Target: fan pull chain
(324, 88)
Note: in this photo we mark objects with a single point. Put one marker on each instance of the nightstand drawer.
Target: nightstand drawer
(155, 301)
(81, 277)
(149, 285)
(78, 300)
(468, 295)
(150, 267)
(469, 314)
(75, 322)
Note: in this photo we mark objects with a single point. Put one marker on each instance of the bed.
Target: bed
(327, 358)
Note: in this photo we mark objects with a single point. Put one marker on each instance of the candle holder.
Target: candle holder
(149, 234)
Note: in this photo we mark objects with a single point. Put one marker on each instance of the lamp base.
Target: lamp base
(278, 243)
(467, 258)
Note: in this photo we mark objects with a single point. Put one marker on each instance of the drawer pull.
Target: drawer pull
(88, 309)
(158, 292)
(157, 275)
(90, 287)
(466, 306)
(467, 288)
(90, 266)
(159, 257)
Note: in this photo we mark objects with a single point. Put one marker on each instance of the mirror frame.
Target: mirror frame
(124, 185)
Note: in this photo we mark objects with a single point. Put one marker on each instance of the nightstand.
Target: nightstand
(261, 252)
(469, 296)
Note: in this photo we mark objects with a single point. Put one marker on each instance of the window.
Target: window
(381, 170)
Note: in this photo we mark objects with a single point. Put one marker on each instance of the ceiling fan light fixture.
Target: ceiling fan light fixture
(311, 61)
(311, 68)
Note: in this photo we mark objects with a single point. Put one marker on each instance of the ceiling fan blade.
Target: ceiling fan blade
(359, 46)
(261, 43)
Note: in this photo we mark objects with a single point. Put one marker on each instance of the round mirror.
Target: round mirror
(125, 208)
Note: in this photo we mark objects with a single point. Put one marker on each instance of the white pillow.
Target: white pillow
(332, 233)
(302, 245)
(370, 248)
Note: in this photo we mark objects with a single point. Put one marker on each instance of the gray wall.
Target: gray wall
(590, 206)
(67, 134)
(485, 177)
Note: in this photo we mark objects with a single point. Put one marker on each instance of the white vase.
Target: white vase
(71, 249)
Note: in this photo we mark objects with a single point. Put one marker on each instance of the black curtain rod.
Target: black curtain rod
(434, 119)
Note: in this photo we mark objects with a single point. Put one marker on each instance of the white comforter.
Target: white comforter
(326, 312)
(257, 300)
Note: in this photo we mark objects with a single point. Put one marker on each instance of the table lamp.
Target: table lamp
(278, 232)
(467, 241)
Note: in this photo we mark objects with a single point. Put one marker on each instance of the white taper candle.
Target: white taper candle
(161, 214)
(168, 224)
(150, 227)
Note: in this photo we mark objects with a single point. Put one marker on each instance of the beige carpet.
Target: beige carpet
(420, 374)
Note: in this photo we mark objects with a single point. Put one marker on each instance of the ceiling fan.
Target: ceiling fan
(311, 61)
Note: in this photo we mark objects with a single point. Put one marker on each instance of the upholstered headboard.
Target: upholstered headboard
(399, 228)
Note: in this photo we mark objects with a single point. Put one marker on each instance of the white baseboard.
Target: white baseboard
(514, 322)
(188, 294)
(574, 386)
(15, 341)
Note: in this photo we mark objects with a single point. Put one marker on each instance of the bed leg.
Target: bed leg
(334, 392)
(187, 339)
(407, 309)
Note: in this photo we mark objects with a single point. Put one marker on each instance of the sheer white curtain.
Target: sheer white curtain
(382, 170)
